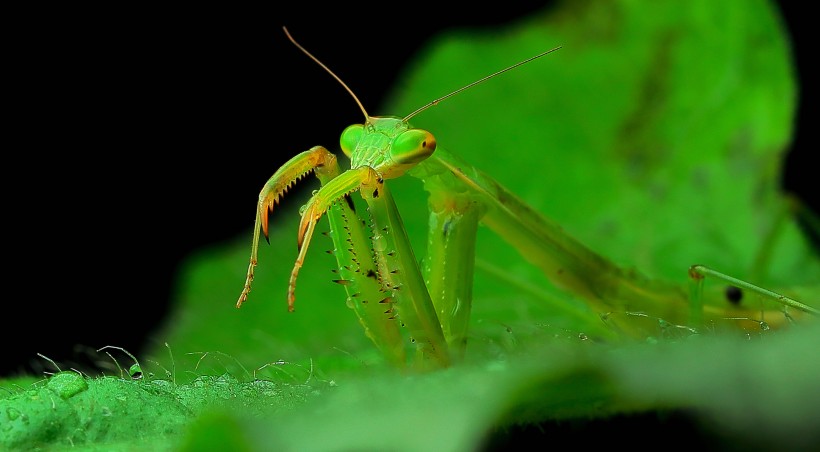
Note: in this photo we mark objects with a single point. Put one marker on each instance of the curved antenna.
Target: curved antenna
(481, 80)
(366, 116)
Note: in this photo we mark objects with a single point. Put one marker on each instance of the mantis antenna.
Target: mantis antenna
(327, 69)
(481, 80)
(433, 102)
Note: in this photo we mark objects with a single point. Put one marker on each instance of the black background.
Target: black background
(137, 136)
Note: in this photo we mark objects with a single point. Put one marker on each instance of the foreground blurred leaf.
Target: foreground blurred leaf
(741, 394)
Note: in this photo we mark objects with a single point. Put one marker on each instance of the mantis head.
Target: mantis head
(387, 144)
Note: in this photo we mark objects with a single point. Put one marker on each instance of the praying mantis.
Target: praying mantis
(393, 296)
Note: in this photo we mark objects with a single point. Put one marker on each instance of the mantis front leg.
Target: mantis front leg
(398, 266)
(366, 295)
(358, 273)
(376, 265)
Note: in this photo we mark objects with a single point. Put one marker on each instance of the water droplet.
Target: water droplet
(67, 384)
(135, 372)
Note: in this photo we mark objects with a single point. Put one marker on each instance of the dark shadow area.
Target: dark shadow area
(640, 431)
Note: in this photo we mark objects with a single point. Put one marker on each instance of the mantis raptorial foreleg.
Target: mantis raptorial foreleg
(396, 264)
(277, 186)
(358, 273)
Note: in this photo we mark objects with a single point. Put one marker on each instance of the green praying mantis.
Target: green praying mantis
(394, 296)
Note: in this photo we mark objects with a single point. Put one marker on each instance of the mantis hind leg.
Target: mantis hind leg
(697, 275)
(733, 293)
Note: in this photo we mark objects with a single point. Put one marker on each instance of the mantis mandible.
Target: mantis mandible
(389, 291)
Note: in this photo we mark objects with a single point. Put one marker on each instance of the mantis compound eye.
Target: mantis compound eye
(412, 146)
(350, 137)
